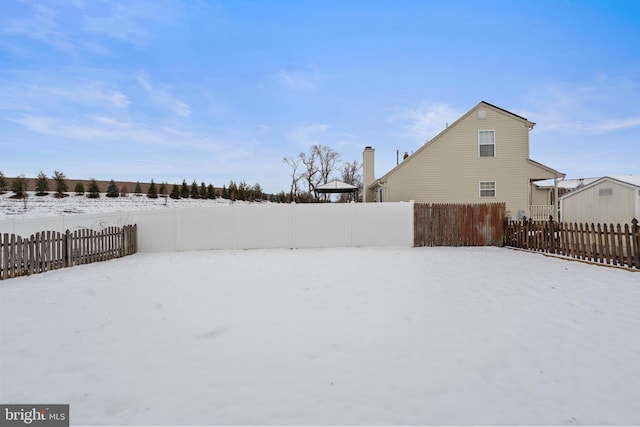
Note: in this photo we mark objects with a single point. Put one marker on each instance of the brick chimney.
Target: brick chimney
(368, 172)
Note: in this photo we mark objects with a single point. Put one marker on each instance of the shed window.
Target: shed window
(605, 192)
(487, 189)
(486, 143)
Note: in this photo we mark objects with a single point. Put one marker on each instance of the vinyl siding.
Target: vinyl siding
(620, 207)
(449, 169)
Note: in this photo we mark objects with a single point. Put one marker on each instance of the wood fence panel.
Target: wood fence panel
(459, 224)
(606, 244)
(50, 250)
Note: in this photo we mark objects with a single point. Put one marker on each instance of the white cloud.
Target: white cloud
(108, 129)
(161, 95)
(602, 105)
(425, 120)
(298, 80)
(307, 134)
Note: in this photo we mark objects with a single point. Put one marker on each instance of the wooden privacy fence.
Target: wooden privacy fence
(458, 224)
(50, 250)
(601, 243)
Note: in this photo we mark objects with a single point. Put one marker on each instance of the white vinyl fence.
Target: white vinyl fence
(246, 226)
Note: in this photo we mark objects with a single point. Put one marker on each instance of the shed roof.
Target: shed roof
(632, 180)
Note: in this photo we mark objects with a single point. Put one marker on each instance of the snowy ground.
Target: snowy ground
(42, 206)
(348, 336)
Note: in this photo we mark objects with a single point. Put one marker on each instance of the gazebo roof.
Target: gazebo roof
(336, 186)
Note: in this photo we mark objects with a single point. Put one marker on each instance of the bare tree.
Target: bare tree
(295, 178)
(327, 159)
(311, 170)
(351, 175)
(314, 167)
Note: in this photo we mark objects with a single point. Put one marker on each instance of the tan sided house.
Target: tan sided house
(482, 157)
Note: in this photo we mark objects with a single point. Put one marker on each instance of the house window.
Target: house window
(380, 194)
(486, 143)
(605, 192)
(487, 189)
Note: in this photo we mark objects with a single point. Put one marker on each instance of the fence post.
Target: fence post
(552, 236)
(635, 237)
(66, 248)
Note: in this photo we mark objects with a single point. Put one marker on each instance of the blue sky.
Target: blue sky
(221, 90)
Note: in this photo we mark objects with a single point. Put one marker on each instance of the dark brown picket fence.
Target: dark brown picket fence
(50, 250)
(601, 243)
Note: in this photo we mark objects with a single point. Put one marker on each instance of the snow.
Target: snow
(352, 336)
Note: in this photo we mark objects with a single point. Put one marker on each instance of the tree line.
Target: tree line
(310, 169)
(232, 191)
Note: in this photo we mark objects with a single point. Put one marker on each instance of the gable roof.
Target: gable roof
(528, 123)
(626, 180)
(336, 186)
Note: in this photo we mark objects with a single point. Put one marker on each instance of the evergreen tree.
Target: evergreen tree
(112, 189)
(211, 192)
(79, 189)
(243, 191)
(19, 187)
(163, 189)
(138, 189)
(233, 190)
(42, 184)
(93, 189)
(175, 192)
(225, 192)
(184, 190)
(203, 191)
(61, 184)
(195, 193)
(3, 183)
(256, 192)
(152, 192)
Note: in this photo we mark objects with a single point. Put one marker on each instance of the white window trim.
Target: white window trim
(495, 190)
(494, 143)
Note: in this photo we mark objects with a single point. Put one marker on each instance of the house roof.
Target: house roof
(628, 180)
(567, 184)
(546, 168)
(336, 186)
(528, 123)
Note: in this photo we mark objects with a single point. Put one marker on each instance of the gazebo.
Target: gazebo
(337, 187)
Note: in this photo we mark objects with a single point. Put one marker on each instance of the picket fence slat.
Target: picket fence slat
(50, 250)
(606, 244)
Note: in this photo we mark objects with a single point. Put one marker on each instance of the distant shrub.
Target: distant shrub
(19, 187)
(211, 192)
(175, 192)
(42, 184)
(61, 184)
(184, 190)
(3, 183)
(152, 192)
(79, 189)
(93, 189)
(112, 189)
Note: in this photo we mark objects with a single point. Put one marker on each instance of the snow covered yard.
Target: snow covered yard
(327, 336)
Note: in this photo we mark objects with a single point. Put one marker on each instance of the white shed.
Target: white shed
(610, 200)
